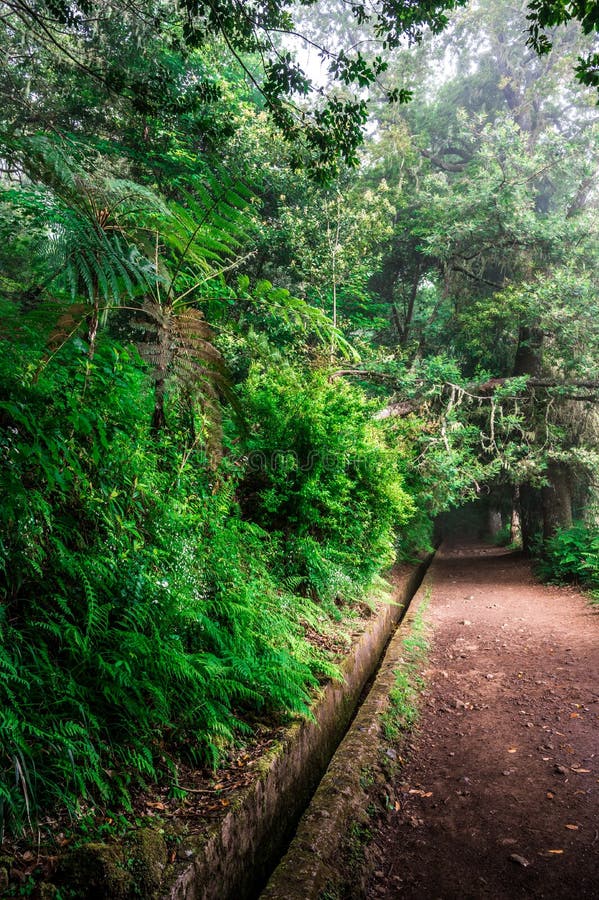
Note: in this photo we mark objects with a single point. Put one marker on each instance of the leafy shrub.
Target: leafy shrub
(319, 473)
(572, 554)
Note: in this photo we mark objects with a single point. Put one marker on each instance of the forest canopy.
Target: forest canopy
(142, 52)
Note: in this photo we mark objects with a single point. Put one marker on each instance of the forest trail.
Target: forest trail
(500, 793)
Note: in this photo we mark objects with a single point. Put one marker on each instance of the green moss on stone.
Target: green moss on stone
(97, 871)
(148, 861)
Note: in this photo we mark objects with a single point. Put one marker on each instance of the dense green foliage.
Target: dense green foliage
(230, 393)
(145, 616)
(155, 598)
(572, 554)
(322, 475)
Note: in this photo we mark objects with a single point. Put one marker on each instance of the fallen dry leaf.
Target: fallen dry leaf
(572, 827)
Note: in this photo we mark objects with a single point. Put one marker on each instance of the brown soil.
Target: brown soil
(500, 795)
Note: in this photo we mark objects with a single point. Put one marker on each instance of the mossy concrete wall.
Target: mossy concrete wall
(234, 859)
(339, 805)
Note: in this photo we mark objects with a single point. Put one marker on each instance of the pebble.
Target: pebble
(520, 860)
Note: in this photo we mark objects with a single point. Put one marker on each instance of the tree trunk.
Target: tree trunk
(495, 521)
(515, 527)
(405, 333)
(531, 516)
(528, 354)
(556, 500)
(528, 361)
(92, 332)
(158, 416)
(396, 320)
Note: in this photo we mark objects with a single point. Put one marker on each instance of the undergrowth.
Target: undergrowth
(146, 616)
(572, 555)
(402, 713)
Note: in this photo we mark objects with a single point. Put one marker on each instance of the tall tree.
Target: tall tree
(495, 192)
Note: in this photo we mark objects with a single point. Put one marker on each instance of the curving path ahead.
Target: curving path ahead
(499, 797)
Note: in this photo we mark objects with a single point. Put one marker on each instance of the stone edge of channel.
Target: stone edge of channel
(238, 853)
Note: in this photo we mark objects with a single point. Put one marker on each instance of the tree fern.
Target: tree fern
(193, 245)
(178, 345)
(85, 227)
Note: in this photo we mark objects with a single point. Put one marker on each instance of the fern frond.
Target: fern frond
(67, 324)
(179, 346)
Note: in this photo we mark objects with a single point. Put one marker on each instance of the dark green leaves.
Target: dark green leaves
(400, 95)
(547, 14)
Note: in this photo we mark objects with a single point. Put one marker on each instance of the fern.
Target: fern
(85, 227)
(153, 607)
(194, 244)
(572, 554)
(178, 345)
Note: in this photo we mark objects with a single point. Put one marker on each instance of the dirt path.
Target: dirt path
(500, 796)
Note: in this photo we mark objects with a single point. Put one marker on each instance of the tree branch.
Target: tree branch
(446, 166)
(479, 278)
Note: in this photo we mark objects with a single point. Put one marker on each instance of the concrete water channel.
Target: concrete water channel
(313, 774)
